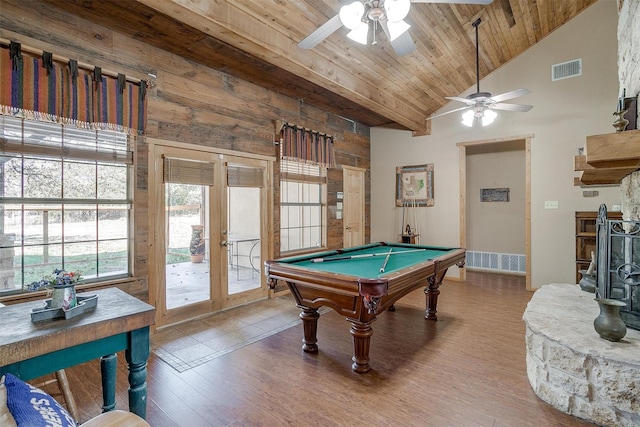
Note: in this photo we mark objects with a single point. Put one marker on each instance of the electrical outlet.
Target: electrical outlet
(551, 204)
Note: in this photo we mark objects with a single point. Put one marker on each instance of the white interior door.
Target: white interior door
(353, 223)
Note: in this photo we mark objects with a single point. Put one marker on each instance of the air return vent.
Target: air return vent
(566, 70)
(491, 261)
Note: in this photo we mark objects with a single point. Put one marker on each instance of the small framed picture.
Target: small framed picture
(494, 194)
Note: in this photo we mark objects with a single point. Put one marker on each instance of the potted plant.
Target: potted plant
(196, 246)
(62, 283)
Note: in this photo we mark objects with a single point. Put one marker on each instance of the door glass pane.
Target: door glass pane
(187, 245)
(244, 238)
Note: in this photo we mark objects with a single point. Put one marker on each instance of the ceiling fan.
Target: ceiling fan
(364, 16)
(480, 105)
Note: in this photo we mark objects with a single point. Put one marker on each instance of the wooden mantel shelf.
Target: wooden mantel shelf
(609, 158)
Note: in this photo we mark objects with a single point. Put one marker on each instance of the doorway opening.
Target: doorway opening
(472, 204)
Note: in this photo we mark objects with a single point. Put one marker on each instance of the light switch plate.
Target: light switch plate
(551, 204)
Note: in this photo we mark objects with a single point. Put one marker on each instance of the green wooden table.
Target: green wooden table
(119, 322)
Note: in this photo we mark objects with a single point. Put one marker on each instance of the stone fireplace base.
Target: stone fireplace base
(574, 370)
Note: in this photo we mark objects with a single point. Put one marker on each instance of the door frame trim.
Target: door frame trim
(154, 146)
(462, 153)
(206, 149)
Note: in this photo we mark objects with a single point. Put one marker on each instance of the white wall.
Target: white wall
(564, 113)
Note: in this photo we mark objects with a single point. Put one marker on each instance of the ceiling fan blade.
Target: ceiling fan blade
(323, 31)
(511, 107)
(448, 112)
(455, 98)
(510, 95)
(403, 44)
(454, 1)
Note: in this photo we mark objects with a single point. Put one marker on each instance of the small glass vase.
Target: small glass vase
(64, 296)
(609, 324)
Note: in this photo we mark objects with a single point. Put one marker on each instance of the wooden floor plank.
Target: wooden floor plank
(466, 369)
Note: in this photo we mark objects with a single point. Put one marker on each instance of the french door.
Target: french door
(208, 232)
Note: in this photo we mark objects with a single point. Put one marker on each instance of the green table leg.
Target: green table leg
(137, 355)
(108, 368)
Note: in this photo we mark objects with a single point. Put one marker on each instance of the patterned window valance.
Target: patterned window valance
(307, 146)
(41, 88)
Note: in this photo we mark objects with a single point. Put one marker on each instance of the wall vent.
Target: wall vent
(566, 70)
(491, 261)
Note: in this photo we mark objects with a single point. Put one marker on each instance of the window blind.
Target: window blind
(241, 176)
(302, 172)
(182, 171)
(53, 140)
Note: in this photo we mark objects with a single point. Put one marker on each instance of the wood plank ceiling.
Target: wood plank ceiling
(256, 40)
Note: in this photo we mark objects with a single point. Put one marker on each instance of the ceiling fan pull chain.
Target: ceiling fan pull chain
(375, 29)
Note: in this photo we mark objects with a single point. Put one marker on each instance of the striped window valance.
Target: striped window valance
(37, 87)
(307, 146)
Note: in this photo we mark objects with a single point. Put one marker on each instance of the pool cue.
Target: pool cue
(363, 255)
(404, 207)
(386, 260)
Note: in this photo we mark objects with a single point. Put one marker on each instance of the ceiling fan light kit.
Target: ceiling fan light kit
(486, 117)
(351, 15)
(396, 10)
(360, 34)
(356, 17)
(359, 16)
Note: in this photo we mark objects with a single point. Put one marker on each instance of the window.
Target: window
(302, 206)
(65, 202)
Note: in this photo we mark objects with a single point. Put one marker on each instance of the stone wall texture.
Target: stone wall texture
(629, 46)
(574, 370)
(629, 77)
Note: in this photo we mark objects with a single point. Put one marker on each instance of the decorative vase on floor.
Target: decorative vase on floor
(196, 246)
(588, 281)
(609, 324)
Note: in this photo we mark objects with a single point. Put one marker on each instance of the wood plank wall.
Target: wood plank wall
(188, 103)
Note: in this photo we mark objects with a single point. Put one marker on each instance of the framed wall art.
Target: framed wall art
(414, 185)
(494, 194)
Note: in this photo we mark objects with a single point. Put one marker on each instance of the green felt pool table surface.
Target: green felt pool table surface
(402, 256)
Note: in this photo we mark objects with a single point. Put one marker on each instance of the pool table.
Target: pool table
(360, 282)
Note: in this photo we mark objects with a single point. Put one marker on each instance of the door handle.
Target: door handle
(224, 243)
(347, 228)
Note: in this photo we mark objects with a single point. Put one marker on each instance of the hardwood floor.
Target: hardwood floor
(466, 369)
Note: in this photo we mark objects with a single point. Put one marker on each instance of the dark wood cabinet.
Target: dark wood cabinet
(586, 237)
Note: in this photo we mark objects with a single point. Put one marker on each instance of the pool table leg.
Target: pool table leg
(361, 334)
(431, 293)
(309, 318)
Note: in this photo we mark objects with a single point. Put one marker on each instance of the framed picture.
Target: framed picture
(494, 194)
(414, 185)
